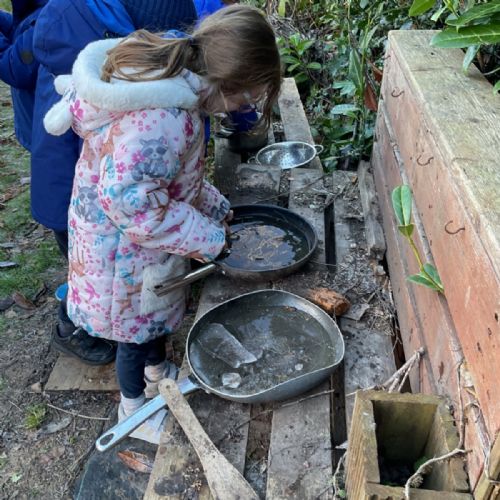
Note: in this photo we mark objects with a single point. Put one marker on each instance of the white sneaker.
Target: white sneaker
(151, 390)
(151, 429)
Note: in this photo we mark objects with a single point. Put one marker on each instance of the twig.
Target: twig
(336, 475)
(78, 414)
(416, 479)
(424, 467)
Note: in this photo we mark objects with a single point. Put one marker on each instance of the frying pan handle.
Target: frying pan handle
(122, 429)
(319, 149)
(184, 280)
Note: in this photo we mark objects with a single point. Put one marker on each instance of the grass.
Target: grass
(33, 258)
(35, 415)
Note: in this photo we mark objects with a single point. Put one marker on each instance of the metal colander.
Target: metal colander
(289, 154)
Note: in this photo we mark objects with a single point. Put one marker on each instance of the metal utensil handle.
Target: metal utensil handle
(319, 149)
(122, 429)
(184, 280)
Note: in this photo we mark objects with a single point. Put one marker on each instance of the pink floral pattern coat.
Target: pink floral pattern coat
(139, 206)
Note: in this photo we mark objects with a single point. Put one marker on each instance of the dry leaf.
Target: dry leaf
(371, 101)
(22, 301)
(136, 461)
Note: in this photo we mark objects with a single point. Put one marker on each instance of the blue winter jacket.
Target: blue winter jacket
(63, 29)
(18, 67)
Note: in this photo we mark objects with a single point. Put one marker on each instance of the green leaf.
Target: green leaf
(438, 14)
(432, 272)
(407, 230)
(420, 6)
(343, 109)
(355, 71)
(477, 12)
(496, 88)
(290, 60)
(282, 8)
(314, 65)
(469, 57)
(420, 279)
(471, 35)
(401, 203)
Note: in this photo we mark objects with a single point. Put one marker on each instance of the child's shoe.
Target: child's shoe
(171, 371)
(151, 429)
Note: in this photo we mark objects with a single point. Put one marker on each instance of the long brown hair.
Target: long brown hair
(234, 50)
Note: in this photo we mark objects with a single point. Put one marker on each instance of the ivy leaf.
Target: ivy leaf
(401, 203)
(496, 88)
(407, 230)
(479, 34)
(420, 6)
(421, 279)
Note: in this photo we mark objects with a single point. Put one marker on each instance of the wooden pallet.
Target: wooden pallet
(296, 438)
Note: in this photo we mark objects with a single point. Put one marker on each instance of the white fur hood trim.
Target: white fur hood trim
(122, 95)
(119, 95)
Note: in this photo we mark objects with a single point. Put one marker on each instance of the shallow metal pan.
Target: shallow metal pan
(295, 384)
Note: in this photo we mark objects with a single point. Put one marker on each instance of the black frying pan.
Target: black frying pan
(274, 322)
(267, 243)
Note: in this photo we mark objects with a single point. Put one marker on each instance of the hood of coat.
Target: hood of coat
(93, 103)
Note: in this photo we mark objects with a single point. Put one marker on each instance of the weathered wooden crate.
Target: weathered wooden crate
(402, 428)
(437, 130)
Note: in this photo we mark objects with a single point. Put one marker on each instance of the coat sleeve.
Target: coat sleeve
(18, 67)
(140, 196)
(212, 203)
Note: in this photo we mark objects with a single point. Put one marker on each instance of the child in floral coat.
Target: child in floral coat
(139, 204)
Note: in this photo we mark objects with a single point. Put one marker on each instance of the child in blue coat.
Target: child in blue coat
(18, 67)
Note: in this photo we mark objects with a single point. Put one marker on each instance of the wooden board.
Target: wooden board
(70, 374)
(293, 117)
(369, 358)
(300, 463)
(424, 317)
(451, 155)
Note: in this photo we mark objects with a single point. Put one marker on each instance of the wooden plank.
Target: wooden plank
(373, 230)
(485, 488)
(462, 112)
(369, 358)
(300, 464)
(452, 167)
(70, 374)
(424, 317)
(295, 124)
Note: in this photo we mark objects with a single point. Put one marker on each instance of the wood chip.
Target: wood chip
(136, 461)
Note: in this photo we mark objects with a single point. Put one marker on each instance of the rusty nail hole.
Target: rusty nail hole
(396, 92)
(452, 232)
(423, 164)
(496, 317)
(479, 347)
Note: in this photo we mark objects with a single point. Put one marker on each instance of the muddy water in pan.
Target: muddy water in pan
(269, 345)
(265, 245)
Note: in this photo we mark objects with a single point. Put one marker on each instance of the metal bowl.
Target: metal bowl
(289, 154)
